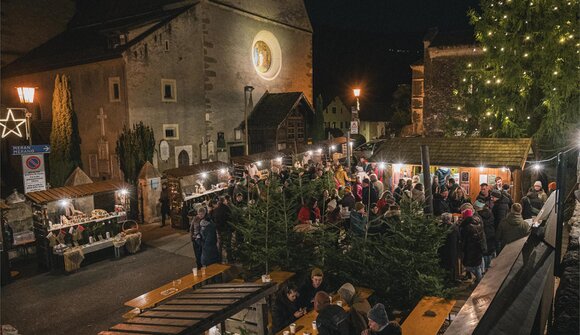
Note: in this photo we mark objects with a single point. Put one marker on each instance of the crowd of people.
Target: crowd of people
(362, 203)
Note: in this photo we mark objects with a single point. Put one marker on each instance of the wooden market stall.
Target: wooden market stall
(262, 162)
(332, 149)
(190, 184)
(471, 161)
(60, 228)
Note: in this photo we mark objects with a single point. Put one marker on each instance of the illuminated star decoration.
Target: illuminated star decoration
(6, 130)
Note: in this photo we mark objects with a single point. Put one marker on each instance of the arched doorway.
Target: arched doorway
(183, 158)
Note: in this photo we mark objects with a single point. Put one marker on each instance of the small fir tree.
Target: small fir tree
(135, 146)
(65, 153)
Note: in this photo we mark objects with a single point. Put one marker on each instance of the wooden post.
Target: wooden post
(517, 180)
(427, 179)
(560, 206)
(262, 317)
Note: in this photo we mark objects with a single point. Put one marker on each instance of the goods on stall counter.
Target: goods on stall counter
(99, 214)
(59, 249)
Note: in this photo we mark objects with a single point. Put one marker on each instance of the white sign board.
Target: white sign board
(164, 150)
(34, 175)
(353, 127)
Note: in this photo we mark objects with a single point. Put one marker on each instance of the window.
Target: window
(114, 89)
(334, 125)
(333, 110)
(168, 90)
(171, 131)
(166, 45)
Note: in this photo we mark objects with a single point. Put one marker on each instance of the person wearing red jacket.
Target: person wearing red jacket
(309, 213)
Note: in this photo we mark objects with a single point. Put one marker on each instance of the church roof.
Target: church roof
(273, 108)
(82, 44)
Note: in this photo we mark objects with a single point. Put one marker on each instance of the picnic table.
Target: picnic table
(152, 298)
(199, 310)
(279, 277)
(428, 316)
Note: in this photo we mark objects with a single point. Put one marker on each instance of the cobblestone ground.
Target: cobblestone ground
(91, 299)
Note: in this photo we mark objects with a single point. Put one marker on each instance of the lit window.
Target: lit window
(171, 131)
(168, 90)
(114, 89)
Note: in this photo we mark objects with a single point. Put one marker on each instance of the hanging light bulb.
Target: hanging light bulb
(537, 167)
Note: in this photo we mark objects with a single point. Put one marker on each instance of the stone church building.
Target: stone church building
(179, 66)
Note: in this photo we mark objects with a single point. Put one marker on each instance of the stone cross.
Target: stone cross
(102, 117)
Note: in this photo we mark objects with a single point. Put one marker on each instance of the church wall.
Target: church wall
(148, 62)
(90, 91)
(228, 37)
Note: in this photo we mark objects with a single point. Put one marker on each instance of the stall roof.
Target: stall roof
(456, 151)
(195, 169)
(321, 144)
(71, 192)
(253, 158)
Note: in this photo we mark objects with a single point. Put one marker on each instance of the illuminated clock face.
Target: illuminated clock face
(262, 56)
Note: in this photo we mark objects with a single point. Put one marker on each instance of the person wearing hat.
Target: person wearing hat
(332, 212)
(358, 220)
(541, 194)
(489, 229)
(359, 307)
(379, 322)
(331, 319)
(551, 188)
(348, 199)
(309, 289)
(473, 244)
(441, 201)
(500, 207)
(513, 227)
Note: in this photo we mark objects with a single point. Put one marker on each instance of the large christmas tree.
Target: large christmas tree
(526, 82)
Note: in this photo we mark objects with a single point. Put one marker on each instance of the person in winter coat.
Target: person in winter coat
(377, 184)
(359, 308)
(489, 229)
(448, 253)
(513, 227)
(473, 244)
(309, 289)
(332, 319)
(379, 322)
(456, 199)
(441, 201)
(164, 201)
(398, 192)
(341, 176)
(377, 224)
(285, 309)
(209, 251)
(415, 195)
(531, 205)
(541, 194)
(551, 188)
(195, 233)
(309, 213)
(358, 220)
(221, 217)
(367, 198)
(500, 207)
(357, 189)
(485, 195)
(384, 200)
(348, 199)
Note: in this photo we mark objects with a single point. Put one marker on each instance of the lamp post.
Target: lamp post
(247, 93)
(26, 96)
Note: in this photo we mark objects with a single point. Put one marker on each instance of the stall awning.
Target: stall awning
(195, 169)
(302, 148)
(456, 151)
(79, 191)
(262, 156)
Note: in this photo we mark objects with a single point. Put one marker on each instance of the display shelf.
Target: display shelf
(64, 226)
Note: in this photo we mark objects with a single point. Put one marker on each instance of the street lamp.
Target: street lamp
(356, 92)
(26, 96)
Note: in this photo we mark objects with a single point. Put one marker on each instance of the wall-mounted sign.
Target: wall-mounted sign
(34, 176)
(164, 150)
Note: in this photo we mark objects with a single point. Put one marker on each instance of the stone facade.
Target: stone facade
(337, 115)
(435, 78)
(184, 77)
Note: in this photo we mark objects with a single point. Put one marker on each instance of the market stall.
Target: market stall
(332, 149)
(260, 163)
(66, 235)
(191, 184)
(470, 161)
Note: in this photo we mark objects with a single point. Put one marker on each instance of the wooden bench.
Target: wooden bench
(419, 323)
(152, 298)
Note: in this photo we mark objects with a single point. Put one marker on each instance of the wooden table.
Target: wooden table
(304, 324)
(198, 311)
(418, 323)
(154, 297)
(279, 277)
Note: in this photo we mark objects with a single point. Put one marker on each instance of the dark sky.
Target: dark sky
(372, 43)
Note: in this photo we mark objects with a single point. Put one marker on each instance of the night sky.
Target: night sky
(371, 44)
